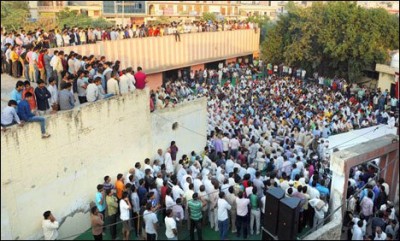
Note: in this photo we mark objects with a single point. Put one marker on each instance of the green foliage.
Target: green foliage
(101, 23)
(162, 20)
(263, 23)
(209, 16)
(337, 38)
(75, 19)
(14, 14)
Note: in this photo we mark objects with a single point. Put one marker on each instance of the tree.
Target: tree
(161, 20)
(75, 19)
(209, 16)
(14, 14)
(337, 38)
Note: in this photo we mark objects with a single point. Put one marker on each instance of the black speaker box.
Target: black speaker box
(272, 199)
(288, 221)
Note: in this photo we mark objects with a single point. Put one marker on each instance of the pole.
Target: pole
(115, 10)
(123, 13)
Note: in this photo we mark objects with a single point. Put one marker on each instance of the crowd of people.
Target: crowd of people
(71, 36)
(370, 214)
(58, 77)
(267, 128)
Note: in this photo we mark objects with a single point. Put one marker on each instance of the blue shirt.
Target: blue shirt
(99, 197)
(141, 193)
(322, 189)
(8, 115)
(24, 111)
(16, 95)
(294, 173)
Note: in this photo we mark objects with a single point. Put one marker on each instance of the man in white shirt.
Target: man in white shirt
(170, 226)
(168, 162)
(320, 208)
(50, 226)
(139, 174)
(379, 234)
(125, 83)
(150, 220)
(124, 208)
(223, 221)
(169, 201)
(112, 85)
(52, 88)
(177, 192)
(92, 90)
(159, 156)
(242, 210)
(357, 232)
(225, 144)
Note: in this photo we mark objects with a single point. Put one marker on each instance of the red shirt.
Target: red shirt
(140, 80)
(163, 194)
(151, 105)
(41, 61)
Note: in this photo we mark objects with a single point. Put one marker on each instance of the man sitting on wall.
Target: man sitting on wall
(25, 114)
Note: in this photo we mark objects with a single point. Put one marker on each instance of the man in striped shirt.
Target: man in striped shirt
(195, 207)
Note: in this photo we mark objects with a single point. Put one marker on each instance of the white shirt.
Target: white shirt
(241, 206)
(168, 163)
(196, 184)
(112, 86)
(170, 224)
(124, 210)
(357, 233)
(54, 96)
(382, 236)
(92, 92)
(126, 85)
(234, 144)
(50, 229)
(169, 202)
(225, 143)
(229, 166)
(177, 192)
(223, 207)
(150, 219)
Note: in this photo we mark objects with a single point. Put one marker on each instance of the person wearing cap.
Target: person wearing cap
(195, 213)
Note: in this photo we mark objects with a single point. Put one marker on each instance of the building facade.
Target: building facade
(48, 9)
(124, 12)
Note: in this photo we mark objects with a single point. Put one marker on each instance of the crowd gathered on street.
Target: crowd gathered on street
(268, 127)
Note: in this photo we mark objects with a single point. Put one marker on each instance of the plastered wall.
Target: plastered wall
(61, 173)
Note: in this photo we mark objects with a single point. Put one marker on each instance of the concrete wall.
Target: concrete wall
(157, 54)
(61, 173)
(192, 127)
(154, 80)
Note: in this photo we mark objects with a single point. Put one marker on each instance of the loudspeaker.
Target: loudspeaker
(272, 199)
(288, 222)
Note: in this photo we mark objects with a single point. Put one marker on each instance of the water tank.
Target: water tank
(395, 61)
